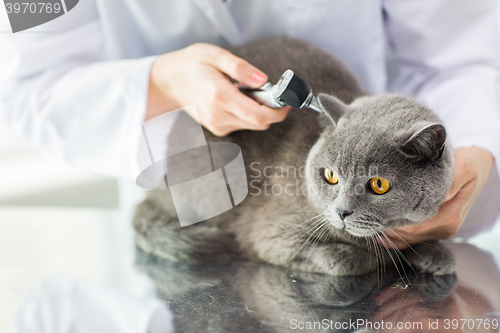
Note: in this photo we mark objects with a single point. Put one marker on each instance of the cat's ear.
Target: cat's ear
(428, 142)
(332, 107)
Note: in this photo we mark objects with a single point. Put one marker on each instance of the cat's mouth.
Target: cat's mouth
(361, 228)
(358, 225)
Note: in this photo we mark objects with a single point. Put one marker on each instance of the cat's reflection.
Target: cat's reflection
(248, 297)
(292, 299)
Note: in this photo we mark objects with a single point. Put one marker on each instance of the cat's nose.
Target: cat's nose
(343, 213)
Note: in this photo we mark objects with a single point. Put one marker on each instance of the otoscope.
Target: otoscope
(290, 90)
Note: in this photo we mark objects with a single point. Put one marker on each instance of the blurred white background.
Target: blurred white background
(29, 177)
(56, 220)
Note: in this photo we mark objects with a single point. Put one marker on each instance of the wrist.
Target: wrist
(160, 98)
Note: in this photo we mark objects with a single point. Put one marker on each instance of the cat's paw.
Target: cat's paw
(432, 258)
(339, 260)
(434, 286)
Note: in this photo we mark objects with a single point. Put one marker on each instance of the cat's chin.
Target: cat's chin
(360, 232)
(355, 230)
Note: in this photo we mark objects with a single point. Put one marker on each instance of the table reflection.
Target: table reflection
(252, 297)
(242, 296)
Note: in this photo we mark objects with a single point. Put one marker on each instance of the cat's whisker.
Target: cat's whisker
(369, 253)
(400, 307)
(374, 248)
(329, 233)
(429, 244)
(321, 223)
(399, 254)
(391, 243)
(313, 244)
(381, 253)
(414, 239)
(411, 307)
(308, 229)
(379, 277)
(380, 261)
(309, 245)
(382, 256)
(324, 230)
(390, 256)
(409, 246)
(312, 218)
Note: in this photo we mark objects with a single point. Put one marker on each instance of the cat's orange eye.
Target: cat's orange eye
(330, 176)
(380, 185)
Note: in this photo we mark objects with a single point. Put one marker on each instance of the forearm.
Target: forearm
(86, 114)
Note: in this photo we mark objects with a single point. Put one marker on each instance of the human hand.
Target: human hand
(400, 305)
(402, 309)
(197, 75)
(472, 168)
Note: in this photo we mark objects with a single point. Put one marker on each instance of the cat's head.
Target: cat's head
(381, 162)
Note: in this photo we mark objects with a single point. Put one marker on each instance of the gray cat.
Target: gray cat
(322, 187)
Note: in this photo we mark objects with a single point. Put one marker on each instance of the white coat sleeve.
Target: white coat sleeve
(62, 94)
(445, 53)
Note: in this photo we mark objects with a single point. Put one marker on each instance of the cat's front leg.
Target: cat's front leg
(431, 258)
(434, 286)
(335, 259)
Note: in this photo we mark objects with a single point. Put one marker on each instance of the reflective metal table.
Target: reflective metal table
(65, 270)
(250, 297)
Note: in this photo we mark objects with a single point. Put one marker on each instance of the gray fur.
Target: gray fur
(395, 136)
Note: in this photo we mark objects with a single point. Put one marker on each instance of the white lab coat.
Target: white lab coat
(78, 87)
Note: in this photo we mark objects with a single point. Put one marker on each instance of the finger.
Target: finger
(393, 243)
(404, 240)
(445, 212)
(231, 124)
(449, 215)
(463, 173)
(251, 111)
(425, 226)
(456, 186)
(241, 124)
(237, 68)
(218, 129)
(458, 201)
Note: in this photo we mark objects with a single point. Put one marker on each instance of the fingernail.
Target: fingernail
(378, 299)
(258, 77)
